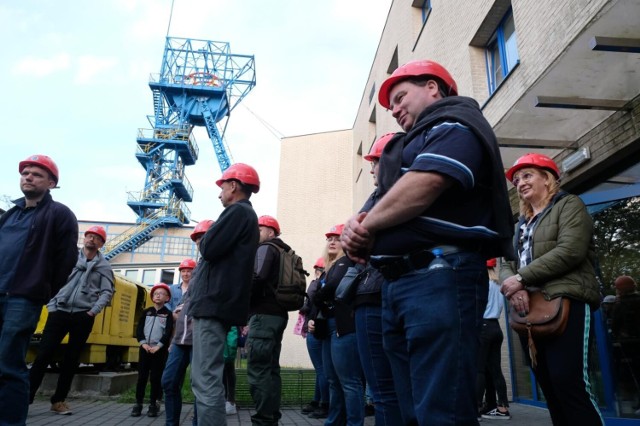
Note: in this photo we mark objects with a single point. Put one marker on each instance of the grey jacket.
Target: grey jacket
(88, 288)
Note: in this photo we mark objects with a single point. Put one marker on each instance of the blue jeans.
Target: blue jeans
(18, 320)
(172, 381)
(344, 373)
(375, 365)
(314, 347)
(431, 323)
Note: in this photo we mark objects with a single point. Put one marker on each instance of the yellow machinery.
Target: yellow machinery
(112, 340)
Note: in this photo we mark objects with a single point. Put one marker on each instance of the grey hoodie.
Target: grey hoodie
(88, 288)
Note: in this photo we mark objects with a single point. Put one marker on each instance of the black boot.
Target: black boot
(322, 412)
(136, 411)
(310, 407)
(153, 410)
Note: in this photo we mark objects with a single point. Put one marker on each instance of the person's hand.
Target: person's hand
(91, 314)
(520, 302)
(510, 286)
(311, 325)
(146, 347)
(154, 349)
(356, 240)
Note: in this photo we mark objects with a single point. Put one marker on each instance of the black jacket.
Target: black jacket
(222, 284)
(325, 298)
(50, 252)
(265, 279)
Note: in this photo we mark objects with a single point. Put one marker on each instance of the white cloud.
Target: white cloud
(90, 68)
(32, 66)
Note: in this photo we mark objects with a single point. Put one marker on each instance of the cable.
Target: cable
(170, 16)
(268, 126)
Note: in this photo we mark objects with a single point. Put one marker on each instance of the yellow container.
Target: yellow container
(112, 340)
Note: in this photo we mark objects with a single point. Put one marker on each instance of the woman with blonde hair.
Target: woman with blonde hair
(555, 255)
(339, 347)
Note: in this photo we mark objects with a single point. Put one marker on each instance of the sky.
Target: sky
(75, 87)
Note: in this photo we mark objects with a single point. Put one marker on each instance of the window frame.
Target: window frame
(497, 43)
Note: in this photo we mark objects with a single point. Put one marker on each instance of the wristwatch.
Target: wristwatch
(519, 278)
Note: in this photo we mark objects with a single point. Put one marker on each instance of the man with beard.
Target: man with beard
(73, 310)
(38, 249)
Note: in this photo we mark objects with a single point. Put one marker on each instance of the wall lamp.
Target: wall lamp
(575, 160)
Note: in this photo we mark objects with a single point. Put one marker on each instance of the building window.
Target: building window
(165, 245)
(149, 276)
(132, 274)
(502, 52)
(426, 10)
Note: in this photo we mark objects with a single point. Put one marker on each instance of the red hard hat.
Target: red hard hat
(625, 283)
(269, 221)
(187, 264)
(335, 230)
(161, 285)
(242, 172)
(98, 230)
(202, 227)
(41, 161)
(533, 160)
(376, 149)
(491, 263)
(415, 69)
(319, 263)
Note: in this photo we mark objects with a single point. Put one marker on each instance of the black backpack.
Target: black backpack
(292, 283)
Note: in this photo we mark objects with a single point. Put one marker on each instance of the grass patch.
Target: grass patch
(298, 387)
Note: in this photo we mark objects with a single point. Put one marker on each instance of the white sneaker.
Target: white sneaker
(231, 408)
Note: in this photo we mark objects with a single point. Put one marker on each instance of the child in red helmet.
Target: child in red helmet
(155, 327)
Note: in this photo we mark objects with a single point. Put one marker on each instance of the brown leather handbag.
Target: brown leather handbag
(546, 318)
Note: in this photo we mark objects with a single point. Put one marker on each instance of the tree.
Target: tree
(617, 237)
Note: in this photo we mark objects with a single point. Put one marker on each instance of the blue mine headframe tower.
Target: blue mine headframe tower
(199, 84)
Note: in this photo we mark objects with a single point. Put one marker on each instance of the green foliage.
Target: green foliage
(298, 387)
(617, 237)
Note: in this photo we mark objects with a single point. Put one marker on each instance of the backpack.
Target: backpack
(292, 283)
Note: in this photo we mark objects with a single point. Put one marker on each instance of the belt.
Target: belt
(393, 267)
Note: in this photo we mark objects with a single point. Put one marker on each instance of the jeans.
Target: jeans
(59, 323)
(431, 323)
(314, 347)
(264, 344)
(344, 373)
(207, 364)
(489, 355)
(18, 320)
(172, 381)
(375, 365)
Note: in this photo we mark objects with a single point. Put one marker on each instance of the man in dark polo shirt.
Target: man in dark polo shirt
(441, 190)
(38, 249)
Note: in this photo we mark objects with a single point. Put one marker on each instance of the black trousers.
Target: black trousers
(78, 325)
(489, 354)
(150, 367)
(562, 371)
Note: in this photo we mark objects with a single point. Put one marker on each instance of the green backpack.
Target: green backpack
(292, 282)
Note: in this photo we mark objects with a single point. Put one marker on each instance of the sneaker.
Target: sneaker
(321, 412)
(61, 408)
(495, 414)
(310, 407)
(153, 410)
(136, 411)
(230, 408)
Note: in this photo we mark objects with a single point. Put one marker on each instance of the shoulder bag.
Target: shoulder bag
(346, 290)
(546, 318)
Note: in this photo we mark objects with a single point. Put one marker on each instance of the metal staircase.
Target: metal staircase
(199, 84)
